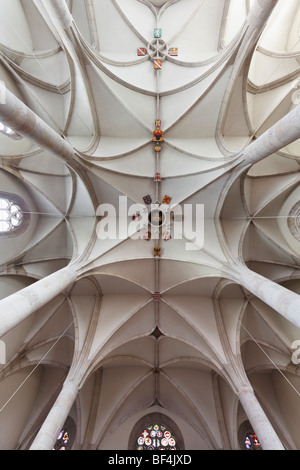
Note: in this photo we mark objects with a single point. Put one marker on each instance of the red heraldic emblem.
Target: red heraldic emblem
(167, 200)
(157, 64)
(142, 51)
(147, 236)
(158, 135)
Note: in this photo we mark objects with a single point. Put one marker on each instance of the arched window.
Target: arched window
(247, 437)
(156, 432)
(66, 437)
(9, 132)
(63, 440)
(14, 215)
(156, 437)
(251, 441)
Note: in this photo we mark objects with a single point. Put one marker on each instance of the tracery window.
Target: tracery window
(14, 215)
(156, 432)
(62, 440)
(247, 437)
(9, 132)
(66, 437)
(10, 215)
(156, 437)
(251, 441)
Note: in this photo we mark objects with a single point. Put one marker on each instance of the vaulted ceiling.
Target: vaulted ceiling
(222, 90)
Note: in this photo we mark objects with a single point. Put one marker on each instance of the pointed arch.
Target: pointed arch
(163, 422)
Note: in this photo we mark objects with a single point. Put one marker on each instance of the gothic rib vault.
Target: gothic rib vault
(106, 332)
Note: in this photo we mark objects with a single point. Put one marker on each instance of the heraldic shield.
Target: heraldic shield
(158, 135)
(157, 251)
(167, 199)
(142, 51)
(147, 199)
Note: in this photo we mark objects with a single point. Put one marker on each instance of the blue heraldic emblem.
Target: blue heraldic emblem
(147, 199)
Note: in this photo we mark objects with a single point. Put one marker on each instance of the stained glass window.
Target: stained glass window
(66, 437)
(251, 442)
(247, 438)
(63, 440)
(10, 215)
(6, 130)
(156, 437)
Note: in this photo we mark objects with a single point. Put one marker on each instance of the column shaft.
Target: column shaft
(56, 418)
(59, 13)
(283, 133)
(17, 307)
(16, 115)
(259, 421)
(284, 301)
(259, 13)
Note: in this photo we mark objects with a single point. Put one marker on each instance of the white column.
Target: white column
(284, 301)
(283, 133)
(259, 13)
(16, 115)
(56, 418)
(17, 307)
(259, 421)
(59, 13)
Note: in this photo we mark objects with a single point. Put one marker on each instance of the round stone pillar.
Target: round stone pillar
(259, 421)
(17, 307)
(56, 418)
